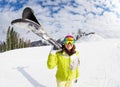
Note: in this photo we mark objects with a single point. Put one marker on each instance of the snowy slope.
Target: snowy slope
(100, 62)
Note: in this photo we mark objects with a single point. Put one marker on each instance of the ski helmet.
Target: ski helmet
(69, 39)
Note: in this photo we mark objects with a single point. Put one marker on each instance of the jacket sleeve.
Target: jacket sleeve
(77, 73)
(77, 70)
(52, 61)
(78, 54)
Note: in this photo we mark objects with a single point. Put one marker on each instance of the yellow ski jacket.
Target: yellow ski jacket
(67, 66)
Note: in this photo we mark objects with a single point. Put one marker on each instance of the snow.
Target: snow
(27, 67)
(100, 64)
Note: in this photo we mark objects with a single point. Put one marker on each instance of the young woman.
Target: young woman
(67, 62)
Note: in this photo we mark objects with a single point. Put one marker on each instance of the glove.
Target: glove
(53, 51)
(76, 81)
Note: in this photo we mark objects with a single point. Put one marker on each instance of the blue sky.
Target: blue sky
(17, 4)
(55, 6)
(94, 7)
(59, 15)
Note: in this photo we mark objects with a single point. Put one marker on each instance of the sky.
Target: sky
(61, 17)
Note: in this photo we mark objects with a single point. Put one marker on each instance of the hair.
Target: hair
(72, 51)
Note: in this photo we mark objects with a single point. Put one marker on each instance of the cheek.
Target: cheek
(69, 46)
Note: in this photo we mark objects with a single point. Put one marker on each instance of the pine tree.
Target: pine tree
(8, 42)
(13, 41)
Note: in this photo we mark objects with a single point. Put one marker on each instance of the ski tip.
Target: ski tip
(15, 21)
(28, 13)
(28, 9)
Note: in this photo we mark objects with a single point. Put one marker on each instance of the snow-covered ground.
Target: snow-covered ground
(27, 67)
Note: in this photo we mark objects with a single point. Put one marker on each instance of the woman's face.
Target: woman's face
(69, 46)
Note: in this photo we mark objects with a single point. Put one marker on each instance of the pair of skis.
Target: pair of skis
(29, 21)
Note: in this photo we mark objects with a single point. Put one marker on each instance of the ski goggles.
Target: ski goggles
(69, 40)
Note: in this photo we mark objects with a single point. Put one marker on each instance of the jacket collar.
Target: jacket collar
(64, 53)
